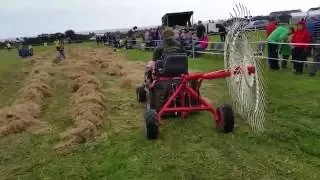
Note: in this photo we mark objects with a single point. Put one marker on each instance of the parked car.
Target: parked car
(261, 25)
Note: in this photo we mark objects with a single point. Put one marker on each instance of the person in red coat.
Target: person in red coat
(271, 26)
(300, 51)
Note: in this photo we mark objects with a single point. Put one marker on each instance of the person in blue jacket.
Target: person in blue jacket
(313, 25)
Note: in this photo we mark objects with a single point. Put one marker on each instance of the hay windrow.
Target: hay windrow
(84, 79)
(24, 113)
(19, 118)
(87, 104)
(114, 64)
(87, 107)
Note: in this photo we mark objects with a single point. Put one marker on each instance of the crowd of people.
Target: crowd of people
(299, 42)
(283, 41)
(109, 39)
(193, 39)
(185, 36)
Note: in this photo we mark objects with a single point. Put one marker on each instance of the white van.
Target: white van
(211, 28)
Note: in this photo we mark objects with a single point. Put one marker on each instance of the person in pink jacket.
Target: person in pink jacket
(204, 42)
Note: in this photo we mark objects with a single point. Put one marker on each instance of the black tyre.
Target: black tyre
(141, 94)
(151, 101)
(151, 124)
(227, 118)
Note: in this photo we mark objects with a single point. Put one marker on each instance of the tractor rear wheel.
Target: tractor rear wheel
(151, 124)
(227, 118)
(141, 94)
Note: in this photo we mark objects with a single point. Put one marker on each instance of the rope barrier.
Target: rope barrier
(253, 42)
(289, 60)
(204, 52)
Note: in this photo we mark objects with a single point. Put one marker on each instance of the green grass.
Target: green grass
(187, 149)
(12, 74)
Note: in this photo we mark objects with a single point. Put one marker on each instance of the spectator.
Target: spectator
(299, 52)
(271, 26)
(201, 29)
(277, 36)
(183, 38)
(222, 31)
(202, 45)
(157, 36)
(98, 40)
(204, 42)
(30, 50)
(117, 40)
(154, 36)
(303, 20)
(104, 39)
(194, 38)
(132, 36)
(176, 35)
(285, 51)
(188, 41)
(315, 34)
(147, 38)
(8, 46)
(142, 33)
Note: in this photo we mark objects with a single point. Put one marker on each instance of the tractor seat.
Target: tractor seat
(173, 65)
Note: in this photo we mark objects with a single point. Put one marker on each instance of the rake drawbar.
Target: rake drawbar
(184, 91)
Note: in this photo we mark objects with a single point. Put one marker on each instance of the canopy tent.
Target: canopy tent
(179, 18)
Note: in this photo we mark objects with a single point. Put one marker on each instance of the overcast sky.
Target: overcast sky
(32, 17)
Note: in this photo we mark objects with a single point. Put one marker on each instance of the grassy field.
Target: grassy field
(191, 149)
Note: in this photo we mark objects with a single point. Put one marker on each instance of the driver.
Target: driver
(168, 44)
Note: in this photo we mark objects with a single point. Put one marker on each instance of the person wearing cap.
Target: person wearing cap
(300, 51)
(201, 29)
(167, 43)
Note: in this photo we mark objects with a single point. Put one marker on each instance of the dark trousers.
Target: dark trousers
(223, 37)
(316, 58)
(284, 62)
(273, 56)
(299, 54)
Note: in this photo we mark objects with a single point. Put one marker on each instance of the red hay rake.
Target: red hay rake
(184, 88)
(173, 91)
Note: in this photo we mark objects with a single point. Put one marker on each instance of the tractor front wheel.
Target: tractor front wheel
(226, 118)
(151, 124)
(141, 94)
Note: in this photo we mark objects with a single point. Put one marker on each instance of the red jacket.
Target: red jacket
(301, 36)
(271, 26)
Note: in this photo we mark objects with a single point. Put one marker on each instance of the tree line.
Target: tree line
(70, 35)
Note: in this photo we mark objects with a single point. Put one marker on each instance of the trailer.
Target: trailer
(178, 19)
